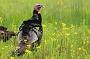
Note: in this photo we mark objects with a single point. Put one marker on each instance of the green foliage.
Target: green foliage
(66, 28)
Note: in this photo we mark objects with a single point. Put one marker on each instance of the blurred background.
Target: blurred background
(68, 11)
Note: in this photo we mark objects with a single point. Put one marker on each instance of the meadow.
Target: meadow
(66, 25)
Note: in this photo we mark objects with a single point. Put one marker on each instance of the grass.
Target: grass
(66, 28)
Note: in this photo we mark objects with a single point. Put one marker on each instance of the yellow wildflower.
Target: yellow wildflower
(39, 46)
(0, 18)
(45, 41)
(66, 28)
(25, 40)
(11, 57)
(72, 26)
(44, 25)
(14, 26)
(2, 48)
(87, 41)
(17, 47)
(76, 33)
(71, 46)
(28, 51)
(56, 23)
(67, 34)
(63, 24)
(29, 45)
(84, 42)
(80, 49)
(6, 46)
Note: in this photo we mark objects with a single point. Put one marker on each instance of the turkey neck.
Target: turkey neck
(35, 12)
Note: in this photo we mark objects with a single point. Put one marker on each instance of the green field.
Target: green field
(66, 25)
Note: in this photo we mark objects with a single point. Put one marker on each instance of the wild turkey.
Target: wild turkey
(4, 34)
(29, 32)
(2, 28)
(8, 35)
(33, 22)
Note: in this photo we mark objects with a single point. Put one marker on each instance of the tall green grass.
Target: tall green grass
(66, 28)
